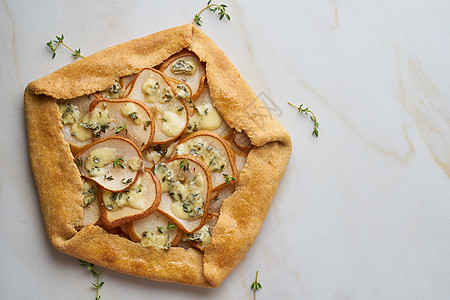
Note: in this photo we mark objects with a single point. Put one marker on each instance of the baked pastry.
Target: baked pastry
(80, 196)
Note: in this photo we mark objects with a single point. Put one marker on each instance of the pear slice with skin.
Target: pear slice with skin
(154, 223)
(206, 116)
(113, 163)
(242, 141)
(184, 177)
(125, 82)
(186, 67)
(153, 89)
(184, 93)
(215, 152)
(204, 234)
(135, 202)
(127, 118)
(158, 153)
(91, 206)
(79, 107)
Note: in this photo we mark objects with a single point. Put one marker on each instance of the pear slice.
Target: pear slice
(91, 207)
(184, 93)
(186, 189)
(215, 152)
(127, 118)
(242, 141)
(186, 67)
(171, 117)
(201, 238)
(206, 116)
(112, 162)
(125, 82)
(135, 202)
(72, 113)
(154, 225)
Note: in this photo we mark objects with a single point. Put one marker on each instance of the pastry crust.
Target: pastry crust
(242, 214)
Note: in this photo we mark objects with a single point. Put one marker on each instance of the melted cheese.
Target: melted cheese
(80, 132)
(215, 159)
(183, 66)
(202, 236)
(157, 240)
(172, 123)
(130, 110)
(133, 197)
(134, 163)
(89, 192)
(185, 191)
(70, 113)
(206, 117)
(97, 159)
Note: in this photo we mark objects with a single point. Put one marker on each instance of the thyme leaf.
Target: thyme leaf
(219, 8)
(95, 273)
(171, 226)
(228, 178)
(118, 162)
(306, 111)
(184, 164)
(54, 44)
(255, 286)
(120, 128)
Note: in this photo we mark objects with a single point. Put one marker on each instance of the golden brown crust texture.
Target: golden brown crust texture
(242, 214)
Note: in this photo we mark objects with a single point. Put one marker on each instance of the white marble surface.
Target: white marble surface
(363, 211)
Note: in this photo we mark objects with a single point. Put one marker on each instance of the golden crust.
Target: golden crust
(242, 214)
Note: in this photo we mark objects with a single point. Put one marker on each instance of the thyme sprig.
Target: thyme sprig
(184, 164)
(118, 162)
(219, 8)
(120, 128)
(306, 111)
(255, 286)
(54, 44)
(95, 273)
(228, 178)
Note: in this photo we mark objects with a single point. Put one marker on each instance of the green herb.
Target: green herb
(79, 161)
(160, 228)
(184, 164)
(126, 181)
(171, 226)
(255, 286)
(109, 178)
(94, 272)
(228, 178)
(306, 111)
(212, 7)
(146, 124)
(54, 44)
(118, 162)
(120, 128)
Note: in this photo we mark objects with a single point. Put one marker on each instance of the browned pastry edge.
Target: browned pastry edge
(59, 185)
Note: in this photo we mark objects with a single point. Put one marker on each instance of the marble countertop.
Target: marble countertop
(363, 211)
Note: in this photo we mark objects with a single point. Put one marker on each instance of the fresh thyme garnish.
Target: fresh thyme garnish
(212, 7)
(228, 178)
(255, 286)
(184, 164)
(170, 226)
(109, 178)
(60, 41)
(118, 162)
(120, 128)
(160, 228)
(79, 161)
(126, 181)
(312, 116)
(94, 272)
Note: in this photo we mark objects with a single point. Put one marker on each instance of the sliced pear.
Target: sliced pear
(171, 117)
(125, 82)
(186, 67)
(206, 116)
(242, 141)
(184, 93)
(158, 153)
(154, 230)
(91, 206)
(113, 163)
(127, 118)
(201, 238)
(186, 189)
(135, 202)
(72, 113)
(215, 152)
